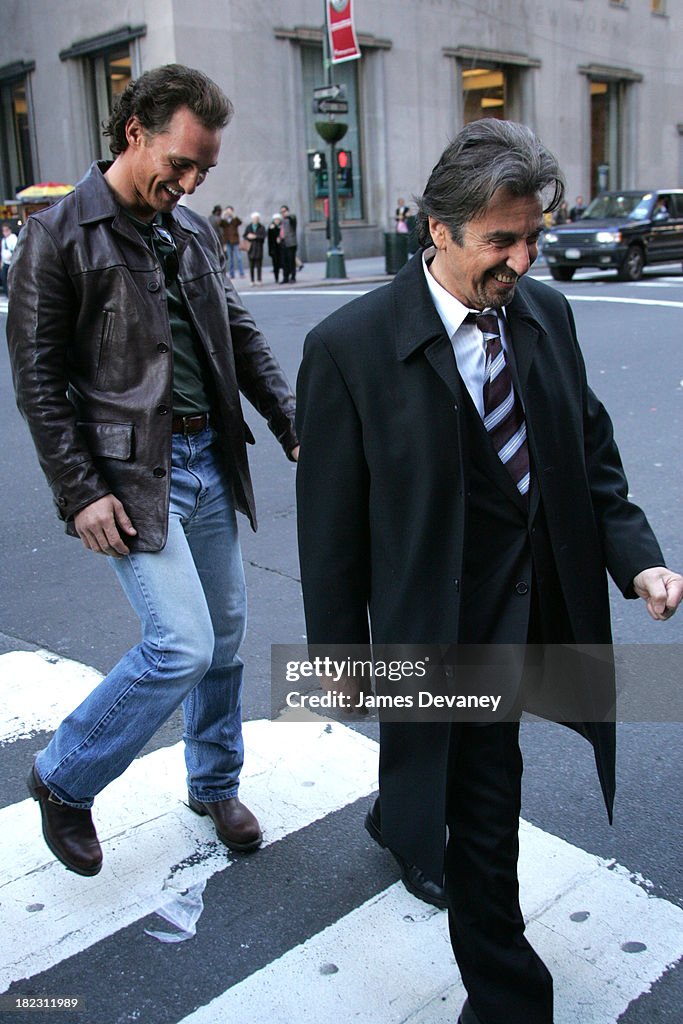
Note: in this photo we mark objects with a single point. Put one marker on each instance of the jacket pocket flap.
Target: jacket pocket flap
(109, 440)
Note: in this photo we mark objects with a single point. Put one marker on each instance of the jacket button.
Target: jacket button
(162, 410)
(161, 347)
(159, 472)
(153, 286)
(522, 588)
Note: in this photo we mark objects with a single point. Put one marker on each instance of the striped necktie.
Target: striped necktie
(503, 413)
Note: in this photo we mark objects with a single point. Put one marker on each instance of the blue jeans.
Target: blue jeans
(234, 251)
(191, 601)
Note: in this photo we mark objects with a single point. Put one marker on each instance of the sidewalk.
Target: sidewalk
(369, 270)
(360, 271)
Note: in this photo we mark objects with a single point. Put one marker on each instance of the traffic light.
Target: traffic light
(344, 172)
(317, 161)
(317, 165)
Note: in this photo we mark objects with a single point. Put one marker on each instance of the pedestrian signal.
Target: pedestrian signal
(317, 161)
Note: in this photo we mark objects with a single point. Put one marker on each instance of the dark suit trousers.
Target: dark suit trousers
(506, 981)
(288, 262)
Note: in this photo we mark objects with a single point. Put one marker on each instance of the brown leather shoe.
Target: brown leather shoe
(68, 831)
(236, 826)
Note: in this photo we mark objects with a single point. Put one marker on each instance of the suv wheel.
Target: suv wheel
(562, 273)
(632, 267)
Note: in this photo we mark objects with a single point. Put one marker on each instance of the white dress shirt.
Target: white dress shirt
(466, 339)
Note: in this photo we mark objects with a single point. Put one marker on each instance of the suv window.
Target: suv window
(635, 206)
(675, 204)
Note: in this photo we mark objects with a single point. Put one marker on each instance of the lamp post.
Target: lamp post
(332, 132)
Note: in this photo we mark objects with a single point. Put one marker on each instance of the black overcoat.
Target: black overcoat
(382, 486)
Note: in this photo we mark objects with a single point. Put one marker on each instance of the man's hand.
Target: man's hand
(100, 525)
(350, 692)
(661, 589)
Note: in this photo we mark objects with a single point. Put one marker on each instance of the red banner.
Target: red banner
(343, 42)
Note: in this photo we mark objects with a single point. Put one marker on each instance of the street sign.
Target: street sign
(328, 106)
(330, 92)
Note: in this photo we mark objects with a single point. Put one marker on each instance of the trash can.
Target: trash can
(395, 251)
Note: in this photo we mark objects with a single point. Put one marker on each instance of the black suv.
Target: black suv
(621, 230)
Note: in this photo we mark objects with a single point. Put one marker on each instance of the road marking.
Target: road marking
(627, 301)
(295, 773)
(390, 960)
(38, 690)
(322, 290)
(584, 914)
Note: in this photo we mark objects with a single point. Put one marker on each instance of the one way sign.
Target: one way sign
(330, 92)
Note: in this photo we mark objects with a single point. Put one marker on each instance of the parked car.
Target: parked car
(625, 231)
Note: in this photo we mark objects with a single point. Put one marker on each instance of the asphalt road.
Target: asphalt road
(59, 597)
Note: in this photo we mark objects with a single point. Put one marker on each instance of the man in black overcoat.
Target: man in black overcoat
(459, 483)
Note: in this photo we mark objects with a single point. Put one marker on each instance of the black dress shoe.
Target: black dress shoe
(236, 827)
(68, 831)
(415, 881)
(467, 1014)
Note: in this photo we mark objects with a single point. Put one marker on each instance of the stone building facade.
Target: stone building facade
(600, 80)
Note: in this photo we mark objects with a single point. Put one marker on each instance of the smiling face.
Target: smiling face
(497, 249)
(155, 171)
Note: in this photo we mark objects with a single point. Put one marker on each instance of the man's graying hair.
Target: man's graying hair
(486, 155)
(155, 96)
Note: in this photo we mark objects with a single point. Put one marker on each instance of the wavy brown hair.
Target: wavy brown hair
(155, 96)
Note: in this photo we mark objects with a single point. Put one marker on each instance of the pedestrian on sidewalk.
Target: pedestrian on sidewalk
(288, 242)
(129, 350)
(475, 500)
(274, 244)
(8, 245)
(255, 235)
(232, 242)
(218, 224)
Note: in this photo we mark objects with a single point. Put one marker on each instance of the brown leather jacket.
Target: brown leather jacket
(92, 358)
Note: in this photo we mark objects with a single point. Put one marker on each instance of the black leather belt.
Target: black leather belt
(190, 424)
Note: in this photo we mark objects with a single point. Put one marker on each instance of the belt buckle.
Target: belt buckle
(202, 417)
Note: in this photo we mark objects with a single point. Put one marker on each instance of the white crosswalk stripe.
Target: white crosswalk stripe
(386, 961)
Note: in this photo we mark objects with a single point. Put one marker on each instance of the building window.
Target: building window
(109, 62)
(483, 93)
(492, 83)
(16, 153)
(349, 177)
(107, 75)
(607, 106)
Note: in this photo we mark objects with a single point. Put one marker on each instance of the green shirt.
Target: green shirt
(190, 392)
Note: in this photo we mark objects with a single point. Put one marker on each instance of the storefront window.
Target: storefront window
(349, 175)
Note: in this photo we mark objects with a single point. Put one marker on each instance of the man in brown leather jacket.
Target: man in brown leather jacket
(129, 351)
